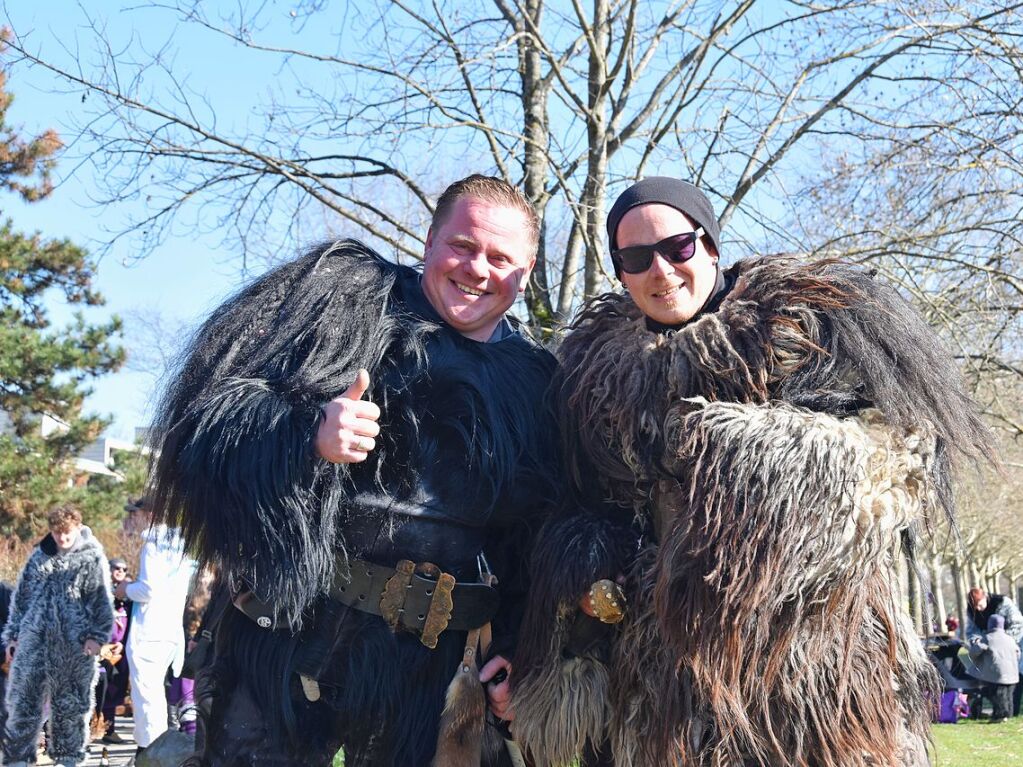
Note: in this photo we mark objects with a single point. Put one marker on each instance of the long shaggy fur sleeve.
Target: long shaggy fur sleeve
(235, 466)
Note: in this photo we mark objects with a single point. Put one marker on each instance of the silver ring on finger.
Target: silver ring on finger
(365, 444)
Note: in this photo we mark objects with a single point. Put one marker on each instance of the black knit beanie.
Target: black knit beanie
(680, 195)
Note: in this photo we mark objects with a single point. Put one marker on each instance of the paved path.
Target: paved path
(119, 755)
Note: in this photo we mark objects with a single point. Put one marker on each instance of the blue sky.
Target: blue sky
(186, 277)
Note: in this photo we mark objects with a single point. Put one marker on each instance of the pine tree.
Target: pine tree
(43, 370)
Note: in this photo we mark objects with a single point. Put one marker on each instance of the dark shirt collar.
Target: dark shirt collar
(723, 283)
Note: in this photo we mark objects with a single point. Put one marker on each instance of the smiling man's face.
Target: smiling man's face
(475, 264)
(666, 292)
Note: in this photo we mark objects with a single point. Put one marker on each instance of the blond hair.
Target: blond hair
(487, 189)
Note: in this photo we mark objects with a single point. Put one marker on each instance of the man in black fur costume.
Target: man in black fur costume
(760, 438)
(363, 529)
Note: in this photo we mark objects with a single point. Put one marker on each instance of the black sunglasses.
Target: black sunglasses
(677, 249)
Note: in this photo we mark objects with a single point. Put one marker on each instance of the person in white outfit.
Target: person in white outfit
(156, 641)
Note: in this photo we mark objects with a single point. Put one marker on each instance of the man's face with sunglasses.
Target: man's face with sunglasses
(680, 270)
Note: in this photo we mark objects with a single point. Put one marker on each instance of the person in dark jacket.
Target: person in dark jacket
(60, 616)
(981, 606)
(996, 657)
(113, 683)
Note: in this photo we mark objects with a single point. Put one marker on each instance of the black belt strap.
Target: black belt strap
(433, 601)
(471, 604)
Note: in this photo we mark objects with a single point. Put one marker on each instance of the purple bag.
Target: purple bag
(953, 707)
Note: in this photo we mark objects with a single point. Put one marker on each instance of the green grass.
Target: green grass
(979, 744)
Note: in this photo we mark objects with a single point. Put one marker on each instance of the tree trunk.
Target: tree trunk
(535, 157)
(960, 589)
(936, 590)
(913, 596)
(570, 273)
(974, 573)
(900, 577)
(595, 188)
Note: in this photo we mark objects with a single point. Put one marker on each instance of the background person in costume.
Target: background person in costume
(60, 615)
(356, 441)
(760, 437)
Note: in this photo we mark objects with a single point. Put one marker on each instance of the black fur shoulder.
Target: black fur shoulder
(234, 465)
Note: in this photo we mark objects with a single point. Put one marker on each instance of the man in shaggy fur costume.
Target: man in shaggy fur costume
(759, 439)
(364, 530)
(60, 615)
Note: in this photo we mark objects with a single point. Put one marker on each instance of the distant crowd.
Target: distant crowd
(85, 639)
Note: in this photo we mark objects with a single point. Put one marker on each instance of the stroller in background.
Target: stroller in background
(957, 683)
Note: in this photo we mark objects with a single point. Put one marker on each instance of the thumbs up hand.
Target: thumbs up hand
(349, 425)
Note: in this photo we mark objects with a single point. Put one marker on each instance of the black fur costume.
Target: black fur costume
(753, 471)
(465, 461)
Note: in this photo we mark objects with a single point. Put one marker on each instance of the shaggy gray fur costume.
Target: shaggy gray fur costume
(61, 601)
(762, 463)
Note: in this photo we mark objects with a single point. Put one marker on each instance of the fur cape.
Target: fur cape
(236, 466)
(764, 459)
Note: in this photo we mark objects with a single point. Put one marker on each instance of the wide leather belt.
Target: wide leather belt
(417, 598)
(409, 597)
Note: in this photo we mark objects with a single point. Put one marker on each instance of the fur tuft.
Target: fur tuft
(460, 739)
(558, 712)
(560, 702)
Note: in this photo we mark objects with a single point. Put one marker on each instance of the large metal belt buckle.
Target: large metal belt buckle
(441, 605)
(392, 600)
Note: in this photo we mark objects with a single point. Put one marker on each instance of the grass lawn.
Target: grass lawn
(979, 744)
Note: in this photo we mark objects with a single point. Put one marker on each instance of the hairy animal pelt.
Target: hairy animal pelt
(61, 601)
(765, 458)
(234, 467)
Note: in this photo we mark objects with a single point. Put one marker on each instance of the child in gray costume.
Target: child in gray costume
(60, 615)
(996, 657)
